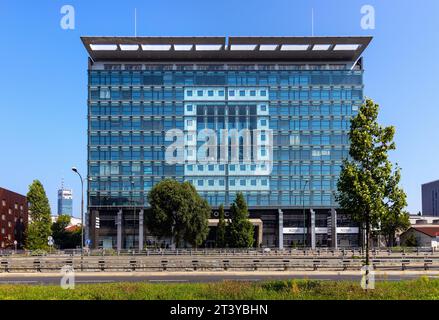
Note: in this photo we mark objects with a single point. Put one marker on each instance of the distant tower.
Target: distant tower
(65, 200)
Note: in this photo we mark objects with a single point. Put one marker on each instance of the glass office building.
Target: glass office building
(294, 95)
(65, 201)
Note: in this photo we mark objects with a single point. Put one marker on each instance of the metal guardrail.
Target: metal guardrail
(103, 264)
(304, 252)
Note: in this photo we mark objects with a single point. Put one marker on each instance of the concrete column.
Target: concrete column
(119, 229)
(93, 233)
(281, 229)
(312, 228)
(141, 230)
(334, 228)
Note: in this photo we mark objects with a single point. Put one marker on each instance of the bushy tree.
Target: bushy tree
(411, 241)
(39, 211)
(221, 241)
(240, 229)
(65, 239)
(198, 213)
(368, 187)
(177, 211)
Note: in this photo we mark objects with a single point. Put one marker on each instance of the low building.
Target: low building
(14, 218)
(424, 236)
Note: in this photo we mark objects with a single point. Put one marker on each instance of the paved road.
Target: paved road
(82, 278)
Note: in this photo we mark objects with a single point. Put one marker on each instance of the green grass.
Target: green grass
(422, 288)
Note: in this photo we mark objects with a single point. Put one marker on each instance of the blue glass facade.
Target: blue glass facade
(298, 104)
(308, 111)
(65, 202)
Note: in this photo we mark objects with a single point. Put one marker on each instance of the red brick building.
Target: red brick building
(13, 218)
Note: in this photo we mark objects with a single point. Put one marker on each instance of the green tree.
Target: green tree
(240, 229)
(221, 241)
(177, 211)
(368, 186)
(198, 213)
(395, 219)
(39, 211)
(411, 241)
(65, 239)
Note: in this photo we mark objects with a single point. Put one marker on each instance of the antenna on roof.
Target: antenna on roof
(312, 22)
(135, 22)
(62, 183)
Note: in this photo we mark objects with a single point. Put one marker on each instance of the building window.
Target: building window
(200, 93)
(200, 167)
(190, 168)
(241, 93)
(253, 182)
(16, 205)
(264, 182)
(264, 108)
(3, 230)
(210, 93)
(200, 183)
(221, 93)
(189, 108)
(263, 93)
(232, 167)
(221, 183)
(211, 167)
(263, 122)
(10, 211)
(232, 93)
(4, 203)
(232, 183)
(252, 93)
(189, 93)
(211, 183)
(189, 123)
(242, 182)
(3, 217)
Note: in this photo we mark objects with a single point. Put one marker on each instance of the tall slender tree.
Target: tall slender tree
(395, 219)
(368, 186)
(240, 229)
(221, 241)
(39, 211)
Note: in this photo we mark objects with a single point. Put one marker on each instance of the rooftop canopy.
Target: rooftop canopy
(225, 49)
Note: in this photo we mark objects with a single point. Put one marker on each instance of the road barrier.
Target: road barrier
(230, 252)
(236, 263)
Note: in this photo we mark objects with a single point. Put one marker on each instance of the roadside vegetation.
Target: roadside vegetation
(422, 288)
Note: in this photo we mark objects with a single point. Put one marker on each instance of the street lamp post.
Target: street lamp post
(304, 216)
(82, 208)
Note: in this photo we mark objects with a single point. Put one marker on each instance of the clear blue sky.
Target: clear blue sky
(43, 84)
